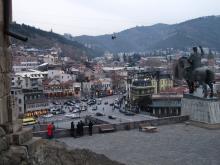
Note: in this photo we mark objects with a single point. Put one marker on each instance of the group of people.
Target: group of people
(79, 131)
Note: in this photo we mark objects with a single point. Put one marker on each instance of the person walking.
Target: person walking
(72, 129)
(90, 127)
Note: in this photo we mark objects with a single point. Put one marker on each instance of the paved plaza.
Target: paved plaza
(177, 144)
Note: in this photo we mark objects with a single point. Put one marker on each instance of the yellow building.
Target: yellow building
(165, 82)
(140, 88)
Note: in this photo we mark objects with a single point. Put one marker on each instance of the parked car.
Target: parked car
(91, 102)
(94, 108)
(122, 110)
(48, 115)
(29, 121)
(77, 101)
(84, 99)
(75, 110)
(129, 113)
(106, 102)
(72, 116)
(76, 106)
(116, 106)
(99, 114)
(111, 104)
(57, 112)
(111, 117)
(69, 103)
(84, 108)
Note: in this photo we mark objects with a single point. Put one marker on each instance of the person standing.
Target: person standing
(90, 127)
(53, 129)
(82, 127)
(50, 131)
(72, 129)
(78, 129)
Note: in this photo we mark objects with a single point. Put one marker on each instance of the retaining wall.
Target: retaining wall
(118, 127)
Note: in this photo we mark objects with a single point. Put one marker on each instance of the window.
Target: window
(20, 109)
(19, 101)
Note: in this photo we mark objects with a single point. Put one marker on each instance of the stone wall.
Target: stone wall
(118, 127)
(47, 153)
(201, 109)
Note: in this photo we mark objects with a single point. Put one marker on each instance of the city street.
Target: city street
(61, 121)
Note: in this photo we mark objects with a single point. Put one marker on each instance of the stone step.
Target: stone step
(33, 144)
(20, 137)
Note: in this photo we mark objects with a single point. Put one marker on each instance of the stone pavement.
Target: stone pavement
(177, 144)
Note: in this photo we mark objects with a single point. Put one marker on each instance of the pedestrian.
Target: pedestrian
(53, 129)
(90, 127)
(78, 129)
(82, 127)
(50, 129)
(72, 129)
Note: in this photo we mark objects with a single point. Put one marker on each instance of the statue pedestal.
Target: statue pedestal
(204, 112)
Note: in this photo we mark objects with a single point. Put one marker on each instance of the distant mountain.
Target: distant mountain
(203, 31)
(38, 38)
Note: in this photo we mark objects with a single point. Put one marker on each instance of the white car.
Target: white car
(71, 115)
(77, 106)
(48, 115)
(76, 111)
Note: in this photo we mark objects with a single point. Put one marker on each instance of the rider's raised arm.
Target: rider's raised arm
(202, 52)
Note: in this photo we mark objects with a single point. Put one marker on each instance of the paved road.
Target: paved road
(171, 145)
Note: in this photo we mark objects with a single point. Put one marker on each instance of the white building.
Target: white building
(51, 59)
(60, 75)
(25, 66)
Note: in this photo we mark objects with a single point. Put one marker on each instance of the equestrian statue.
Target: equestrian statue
(191, 69)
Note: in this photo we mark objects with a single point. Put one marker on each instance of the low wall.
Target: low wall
(118, 127)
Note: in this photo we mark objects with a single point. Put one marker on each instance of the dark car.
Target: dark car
(129, 113)
(84, 99)
(91, 103)
(77, 101)
(57, 112)
(122, 110)
(106, 102)
(111, 117)
(94, 108)
(99, 114)
(111, 104)
(116, 106)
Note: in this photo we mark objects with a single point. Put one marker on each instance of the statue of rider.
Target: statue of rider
(195, 58)
(195, 61)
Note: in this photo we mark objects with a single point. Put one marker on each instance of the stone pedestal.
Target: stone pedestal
(203, 112)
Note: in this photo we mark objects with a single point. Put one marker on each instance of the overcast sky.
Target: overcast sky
(95, 17)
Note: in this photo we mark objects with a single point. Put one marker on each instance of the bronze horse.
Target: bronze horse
(199, 76)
